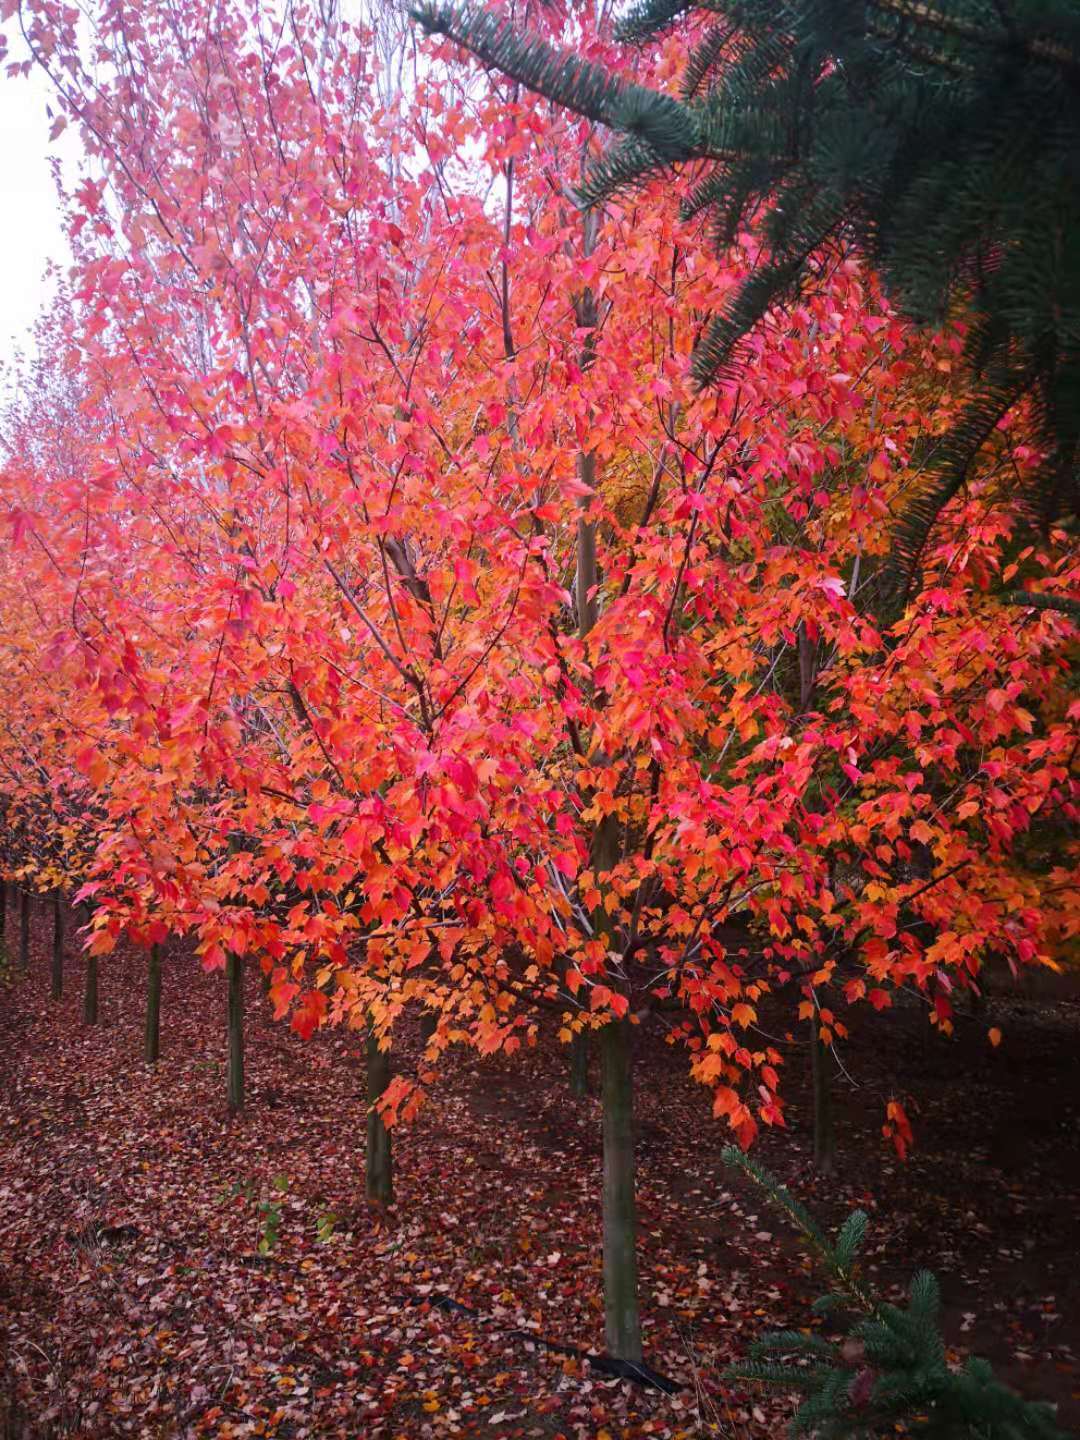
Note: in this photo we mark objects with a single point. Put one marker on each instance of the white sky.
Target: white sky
(30, 232)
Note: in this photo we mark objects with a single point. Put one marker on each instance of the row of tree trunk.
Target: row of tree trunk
(621, 1311)
(24, 898)
(152, 1029)
(379, 1160)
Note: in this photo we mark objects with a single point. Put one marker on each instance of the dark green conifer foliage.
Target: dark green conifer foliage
(889, 1374)
(940, 138)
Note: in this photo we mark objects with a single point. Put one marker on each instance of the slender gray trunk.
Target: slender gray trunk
(58, 947)
(235, 971)
(821, 1071)
(152, 1039)
(379, 1164)
(622, 1317)
(24, 930)
(622, 1321)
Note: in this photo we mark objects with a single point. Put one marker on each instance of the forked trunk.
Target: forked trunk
(379, 1164)
(235, 971)
(622, 1321)
(152, 1039)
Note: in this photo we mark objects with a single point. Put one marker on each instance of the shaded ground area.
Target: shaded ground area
(135, 1300)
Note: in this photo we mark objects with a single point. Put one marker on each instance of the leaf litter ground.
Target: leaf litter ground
(166, 1270)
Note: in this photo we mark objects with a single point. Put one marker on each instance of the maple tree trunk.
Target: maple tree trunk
(379, 1164)
(235, 971)
(622, 1321)
(152, 1041)
(90, 994)
(3, 918)
(821, 1068)
(586, 581)
(24, 930)
(428, 1024)
(579, 1065)
(58, 947)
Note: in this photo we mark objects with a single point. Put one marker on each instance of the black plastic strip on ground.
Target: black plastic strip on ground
(642, 1374)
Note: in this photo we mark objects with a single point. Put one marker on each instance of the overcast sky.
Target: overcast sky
(30, 232)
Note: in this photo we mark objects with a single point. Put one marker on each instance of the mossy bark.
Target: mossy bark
(235, 973)
(152, 1036)
(622, 1320)
(379, 1162)
(579, 1064)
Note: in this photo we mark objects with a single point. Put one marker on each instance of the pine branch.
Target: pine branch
(891, 1373)
(936, 137)
(657, 121)
(1036, 600)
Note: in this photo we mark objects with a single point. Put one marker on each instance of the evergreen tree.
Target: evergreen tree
(940, 139)
(889, 1373)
